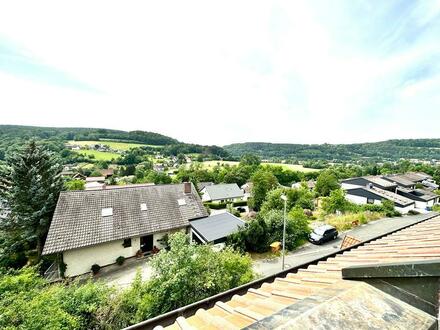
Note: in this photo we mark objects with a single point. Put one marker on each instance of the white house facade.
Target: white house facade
(98, 226)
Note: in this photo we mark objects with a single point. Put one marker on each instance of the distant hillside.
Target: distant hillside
(72, 133)
(12, 136)
(426, 149)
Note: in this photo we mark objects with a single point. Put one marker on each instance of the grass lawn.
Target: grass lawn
(292, 167)
(123, 146)
(213, 163)
(99, 155)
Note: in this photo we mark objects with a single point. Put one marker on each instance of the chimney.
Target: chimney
(187, 187)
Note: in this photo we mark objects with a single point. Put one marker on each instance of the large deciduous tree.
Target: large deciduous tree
(326, 183)
(31, 183)
(263, 181)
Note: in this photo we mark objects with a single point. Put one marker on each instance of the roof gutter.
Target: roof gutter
(189, 310)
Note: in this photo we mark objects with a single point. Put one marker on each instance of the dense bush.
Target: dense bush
(239, 203)
(184, 274)
(95, 269)
(28, 302)
(267, 228)
(120, 260)
(301, 197)
(216, 206)
(337, 202)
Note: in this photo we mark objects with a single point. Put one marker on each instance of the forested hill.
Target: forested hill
(67, 133)
(12, 136)
(426, 149)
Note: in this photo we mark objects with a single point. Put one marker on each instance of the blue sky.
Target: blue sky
(222, 72)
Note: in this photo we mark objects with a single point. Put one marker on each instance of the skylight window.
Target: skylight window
(107, 211)
(143, 206)
(181, 201)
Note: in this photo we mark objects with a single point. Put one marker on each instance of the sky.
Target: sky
(221, 72)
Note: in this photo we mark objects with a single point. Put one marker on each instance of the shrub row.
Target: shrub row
(218, 206)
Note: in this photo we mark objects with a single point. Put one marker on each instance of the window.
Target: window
(127, 243)
(181, 202)
(370, 201)
(106, 212)
(143, 206)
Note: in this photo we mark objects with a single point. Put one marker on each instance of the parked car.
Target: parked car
(323, 234)
(241, 209)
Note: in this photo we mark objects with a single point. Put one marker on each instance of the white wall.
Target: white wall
(356, 199)
(405, 210)
(421, 205)
(79, 261)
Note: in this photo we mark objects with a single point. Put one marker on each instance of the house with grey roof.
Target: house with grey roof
(214, 229)
(364, 181)
(226, 192)
(374, 195)
(423, 199)
(98, 226)
(202, 185)
(401, 180)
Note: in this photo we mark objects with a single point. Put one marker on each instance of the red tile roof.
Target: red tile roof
(418, 242)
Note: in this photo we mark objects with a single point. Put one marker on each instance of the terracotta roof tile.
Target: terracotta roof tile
(418, 242)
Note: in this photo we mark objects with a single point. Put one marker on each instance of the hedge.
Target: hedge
(218, 206)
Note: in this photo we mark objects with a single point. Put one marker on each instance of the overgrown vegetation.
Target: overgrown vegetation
(184, 274)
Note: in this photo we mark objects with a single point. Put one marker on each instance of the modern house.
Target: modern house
(422, 198)
(364, 181)
(227, 192)
(98, 226)
(374, 195)
(215, 228)
(401, 180)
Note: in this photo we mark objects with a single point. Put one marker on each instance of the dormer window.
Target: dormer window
(181, 201)
(107, 212)
(143, 207)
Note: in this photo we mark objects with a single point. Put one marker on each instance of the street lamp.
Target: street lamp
(284, 198)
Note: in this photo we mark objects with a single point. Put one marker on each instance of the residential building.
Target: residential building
(98, 226)
(227, 192)
(202, 185)
(364, 181)
(401, 180)
(214, 229)
(374, 195)
(423, 199)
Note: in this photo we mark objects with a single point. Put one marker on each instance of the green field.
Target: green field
(123, 146)
(292, 167)
(99, 155)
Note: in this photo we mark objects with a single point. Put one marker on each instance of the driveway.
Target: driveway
(309, 252)
(122, 276)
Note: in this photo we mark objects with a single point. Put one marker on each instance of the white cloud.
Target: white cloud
(217, 73)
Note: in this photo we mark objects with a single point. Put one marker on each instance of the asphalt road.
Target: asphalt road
(309, 252)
